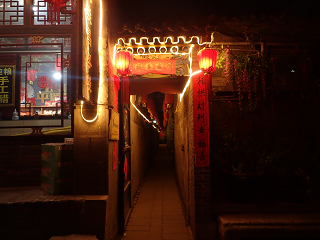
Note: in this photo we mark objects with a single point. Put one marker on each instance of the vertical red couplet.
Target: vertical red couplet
(201, 120)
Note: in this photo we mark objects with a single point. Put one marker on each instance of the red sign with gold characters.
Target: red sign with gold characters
(141, 67)
(201, 121)
(7, 84)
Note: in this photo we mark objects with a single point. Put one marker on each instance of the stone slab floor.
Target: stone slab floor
(157, 213)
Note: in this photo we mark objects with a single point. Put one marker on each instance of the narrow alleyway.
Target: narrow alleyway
(157, 214)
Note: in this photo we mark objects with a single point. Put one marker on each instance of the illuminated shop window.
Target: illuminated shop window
(41, 78)
(11, 12)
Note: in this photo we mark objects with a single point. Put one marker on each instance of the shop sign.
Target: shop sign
(201, 121)
(141, 67)
(153, 57)
(7, 85)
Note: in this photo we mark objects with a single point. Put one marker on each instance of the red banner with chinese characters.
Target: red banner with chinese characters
(115, 86)
(201, 121)
(114, 155)
(141, 67)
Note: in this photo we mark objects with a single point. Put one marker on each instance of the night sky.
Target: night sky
(129, 11)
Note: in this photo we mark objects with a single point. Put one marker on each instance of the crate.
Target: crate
(56, 169)
(56, 186)
(57, 152)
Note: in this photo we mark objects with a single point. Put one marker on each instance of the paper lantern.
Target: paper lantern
(53, 10)
(207, 58)
(32, 75)
(123, 64)
(58, 64)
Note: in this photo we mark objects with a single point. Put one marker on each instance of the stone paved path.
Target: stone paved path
(157, 214)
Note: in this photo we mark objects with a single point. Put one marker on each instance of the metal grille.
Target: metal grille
(11, 12)
(41, 15)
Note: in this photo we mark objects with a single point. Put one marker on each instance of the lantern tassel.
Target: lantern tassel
(125, 90)
(208, 81)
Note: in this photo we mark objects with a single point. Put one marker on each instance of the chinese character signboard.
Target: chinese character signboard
(7, 84)
(201, 121)
(154, 66)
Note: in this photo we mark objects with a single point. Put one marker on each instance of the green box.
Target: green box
(57, 152)
(56, 169)
(56, 186)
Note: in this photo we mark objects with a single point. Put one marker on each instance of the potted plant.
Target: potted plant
(243, 162)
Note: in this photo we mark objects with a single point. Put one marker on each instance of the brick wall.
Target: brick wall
(44, 219)
(194, 183)
(141, 155)
(20, 160)
(20, 166)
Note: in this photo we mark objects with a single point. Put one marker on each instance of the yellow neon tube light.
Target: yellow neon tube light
(140, 112)
(100, 68)
(162, 43)
(144, 116)
(187, 84)
(153, 43)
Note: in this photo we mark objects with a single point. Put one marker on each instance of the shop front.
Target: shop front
(37, 50)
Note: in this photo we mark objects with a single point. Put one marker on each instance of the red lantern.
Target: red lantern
(166, 115)
(54, 7)
(32, 75)
(168, 99)
(58, 64)
(123, 64)
(144, 100)
(207, 58)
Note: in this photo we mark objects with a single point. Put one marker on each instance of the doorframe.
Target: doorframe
(123, 149)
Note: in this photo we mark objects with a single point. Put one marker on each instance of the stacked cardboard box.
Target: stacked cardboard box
(56, 168)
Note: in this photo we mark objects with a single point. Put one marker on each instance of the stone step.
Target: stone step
(269, 226)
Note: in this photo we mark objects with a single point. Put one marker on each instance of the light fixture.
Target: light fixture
(124, 64)
(57, 75)
(207, 58)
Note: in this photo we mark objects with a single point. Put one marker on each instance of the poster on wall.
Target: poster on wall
(7, 85)
(201, 121)
(114, 125)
